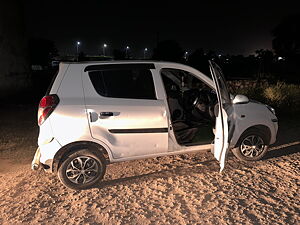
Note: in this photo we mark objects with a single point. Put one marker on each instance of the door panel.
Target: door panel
(130, 127)
(220, 147)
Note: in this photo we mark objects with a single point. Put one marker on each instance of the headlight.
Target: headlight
(271, 109)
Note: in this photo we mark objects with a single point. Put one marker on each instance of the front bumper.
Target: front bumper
(275, 131)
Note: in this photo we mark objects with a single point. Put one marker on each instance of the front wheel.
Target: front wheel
(82, 169)
(252, 146)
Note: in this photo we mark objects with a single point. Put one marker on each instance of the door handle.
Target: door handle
(106, 114)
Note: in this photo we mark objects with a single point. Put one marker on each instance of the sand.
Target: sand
(182, 189)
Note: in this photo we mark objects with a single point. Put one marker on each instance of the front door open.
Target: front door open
(221, 142)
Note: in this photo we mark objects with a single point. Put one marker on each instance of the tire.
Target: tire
(82, 169)
(252, 146)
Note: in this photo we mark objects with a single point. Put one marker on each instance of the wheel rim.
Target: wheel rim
(252, 146)
(82, 170)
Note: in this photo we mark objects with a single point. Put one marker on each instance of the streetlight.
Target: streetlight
(77, 46)
(126, 51)
(104, 46)
(186, 55)
(145, 51)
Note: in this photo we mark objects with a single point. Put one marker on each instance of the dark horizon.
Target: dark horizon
(227, 28)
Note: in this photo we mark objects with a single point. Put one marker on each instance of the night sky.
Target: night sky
(227, 28)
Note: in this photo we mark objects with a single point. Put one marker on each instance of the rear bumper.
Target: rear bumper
(35, 164)
(44, 155)
(48, 166)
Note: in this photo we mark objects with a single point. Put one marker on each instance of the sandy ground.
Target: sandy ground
(185, 189)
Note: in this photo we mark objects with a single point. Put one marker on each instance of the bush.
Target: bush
(255, 93)
(283, 97)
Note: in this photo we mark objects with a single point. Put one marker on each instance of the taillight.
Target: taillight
(46, 107)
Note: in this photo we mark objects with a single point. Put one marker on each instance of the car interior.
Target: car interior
(191, 104)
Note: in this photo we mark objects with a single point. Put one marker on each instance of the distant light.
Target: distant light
(127, 47)
(78, 42)
(186, 55)
(105, 45)
(219, 55)
(280, 58)
(146, 49)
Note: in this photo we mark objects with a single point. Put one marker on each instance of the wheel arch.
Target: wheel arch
(74, 146)
(262, 128)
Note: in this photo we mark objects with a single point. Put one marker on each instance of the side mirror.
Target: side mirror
(240, 99)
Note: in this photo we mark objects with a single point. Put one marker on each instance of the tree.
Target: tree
(119, 54)
(14, 69)
(168, 50)
(41, 51)
(82, 56)
(199, 60)
(265, 59)
(286, 40)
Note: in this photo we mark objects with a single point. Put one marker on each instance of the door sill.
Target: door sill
(196, 143)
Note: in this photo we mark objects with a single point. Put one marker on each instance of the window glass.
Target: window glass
(124, 83)
(183, 79)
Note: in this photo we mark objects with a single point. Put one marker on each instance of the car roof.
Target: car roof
(162, 63)
(122, 62)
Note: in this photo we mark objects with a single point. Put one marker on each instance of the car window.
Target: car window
(124, 83)
(183, 79)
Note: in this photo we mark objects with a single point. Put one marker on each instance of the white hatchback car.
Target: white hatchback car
(96, 113)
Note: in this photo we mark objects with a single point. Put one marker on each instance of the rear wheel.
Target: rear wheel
(252, 146)
(82, 169)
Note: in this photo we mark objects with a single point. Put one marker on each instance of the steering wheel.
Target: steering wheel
(196, 102)
(190, 99)
(203, 103)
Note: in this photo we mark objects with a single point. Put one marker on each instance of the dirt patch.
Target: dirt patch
(184, 189)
